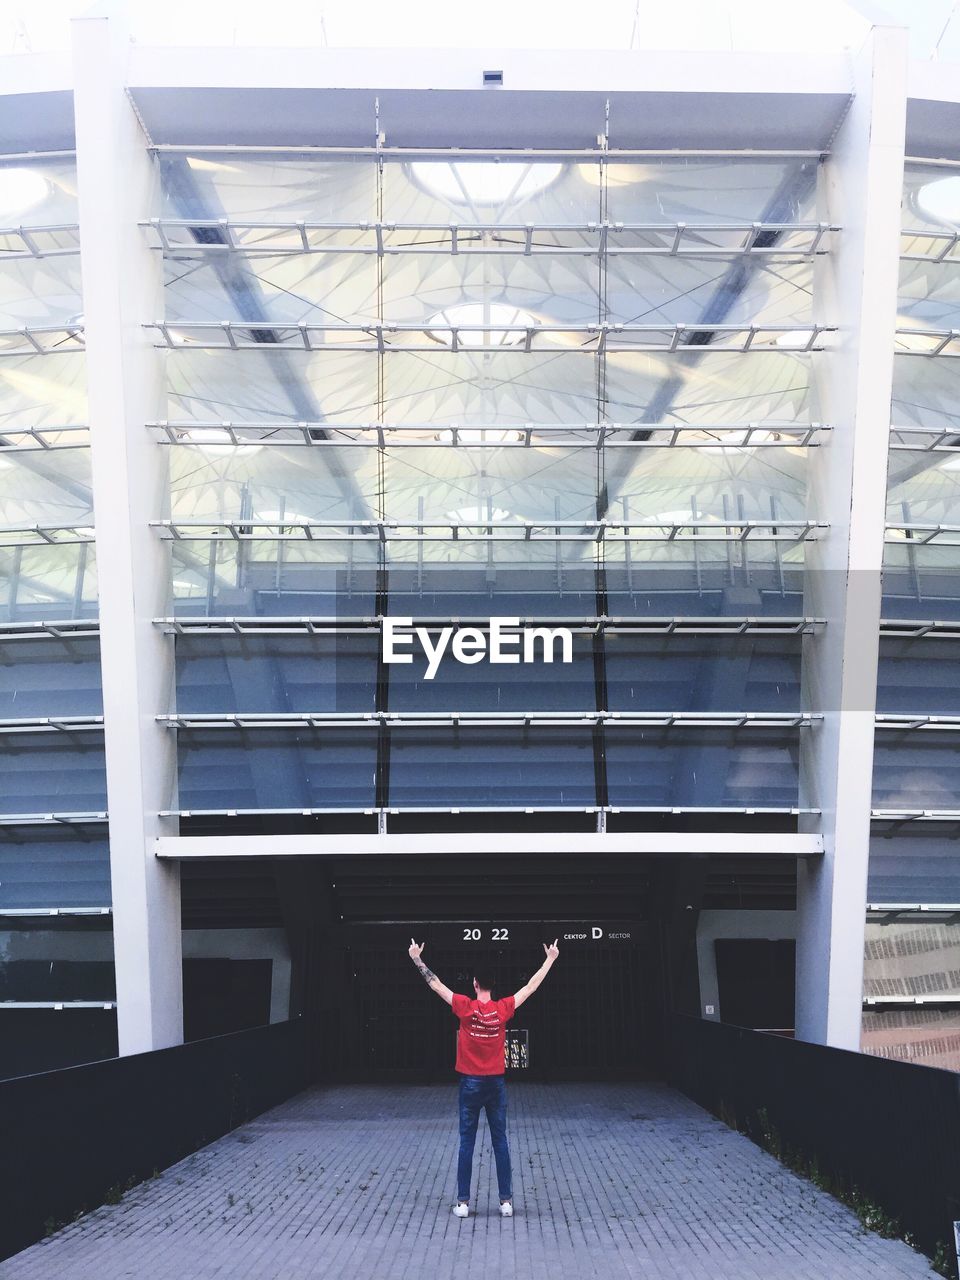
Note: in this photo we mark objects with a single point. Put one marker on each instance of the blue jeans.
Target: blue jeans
(478, 1093)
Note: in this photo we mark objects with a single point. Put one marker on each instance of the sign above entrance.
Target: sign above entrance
(516, 933)
(501, 641)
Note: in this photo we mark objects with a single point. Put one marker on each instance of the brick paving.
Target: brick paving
(626, 1180)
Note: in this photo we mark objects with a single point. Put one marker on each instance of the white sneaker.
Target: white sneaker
(506, 1209)
(462, 1210)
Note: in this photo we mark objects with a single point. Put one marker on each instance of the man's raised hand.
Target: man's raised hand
(416, 949)
(552, 950)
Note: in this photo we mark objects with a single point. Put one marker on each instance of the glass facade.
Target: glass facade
(54, 857)
(579, 388)
(433, 388)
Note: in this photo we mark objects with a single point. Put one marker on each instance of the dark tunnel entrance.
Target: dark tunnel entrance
(626, 925)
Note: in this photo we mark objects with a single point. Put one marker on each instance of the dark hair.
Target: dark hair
(484, 980)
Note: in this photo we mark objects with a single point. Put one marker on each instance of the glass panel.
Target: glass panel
(281, 769)
(43, 868)
(501, 687)
(702, 768)
(920, 867)
(702, 673)
(46, 965)
(710, 482)
(908, 958)
(916, 770)
(441, 767)
(268, 188)
(926, 392)
(492, 289)
(272, 385)
(321, 289)
(491, 190)
(272, 485)
(45, 582)
(53, 772)
(712, 189)
(928, 1036)
(38, 391)
(660, 289)
(762, 386)
(38, 192)
(502, 486)
(500, 387)
(924, 488)
(918, 677)
(257, 673)
(46, 487)
(921, 582)
(705, 579)
(40, 291)
(50, 678)
(475, 579)
(271, 579)
(929, 291)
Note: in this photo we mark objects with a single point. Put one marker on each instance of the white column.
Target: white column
(122, 288)
(856, 287)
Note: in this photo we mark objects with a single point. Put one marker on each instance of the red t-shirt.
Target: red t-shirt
(480, 1040)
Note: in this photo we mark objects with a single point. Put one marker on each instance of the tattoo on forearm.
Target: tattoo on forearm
(426, 974)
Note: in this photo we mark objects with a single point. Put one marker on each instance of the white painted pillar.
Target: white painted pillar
(856, 286)
(122, 288)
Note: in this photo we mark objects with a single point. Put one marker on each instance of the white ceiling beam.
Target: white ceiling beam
(466, 844)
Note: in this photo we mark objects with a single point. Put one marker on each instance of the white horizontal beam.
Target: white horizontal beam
(672, 810)
(734, 73)
(429, 844)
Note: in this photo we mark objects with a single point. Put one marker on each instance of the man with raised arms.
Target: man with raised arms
(480, 1063)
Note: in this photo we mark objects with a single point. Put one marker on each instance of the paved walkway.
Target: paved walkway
(611, 1181)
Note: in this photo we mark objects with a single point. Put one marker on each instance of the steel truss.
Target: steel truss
(235, 335)
(430, 435)
(36, 535)
(922, 244)
(923, 535)
(588, 625)
(51, 241)
(72, 435)
(925, 439)
(498, 719)
(177, 237)
(928, 342)
(242, 530)
(41, 339)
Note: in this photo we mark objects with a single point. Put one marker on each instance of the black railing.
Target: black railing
(73, 1137)
(887, 1130)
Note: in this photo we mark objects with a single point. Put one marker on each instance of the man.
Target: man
(480, 1062)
